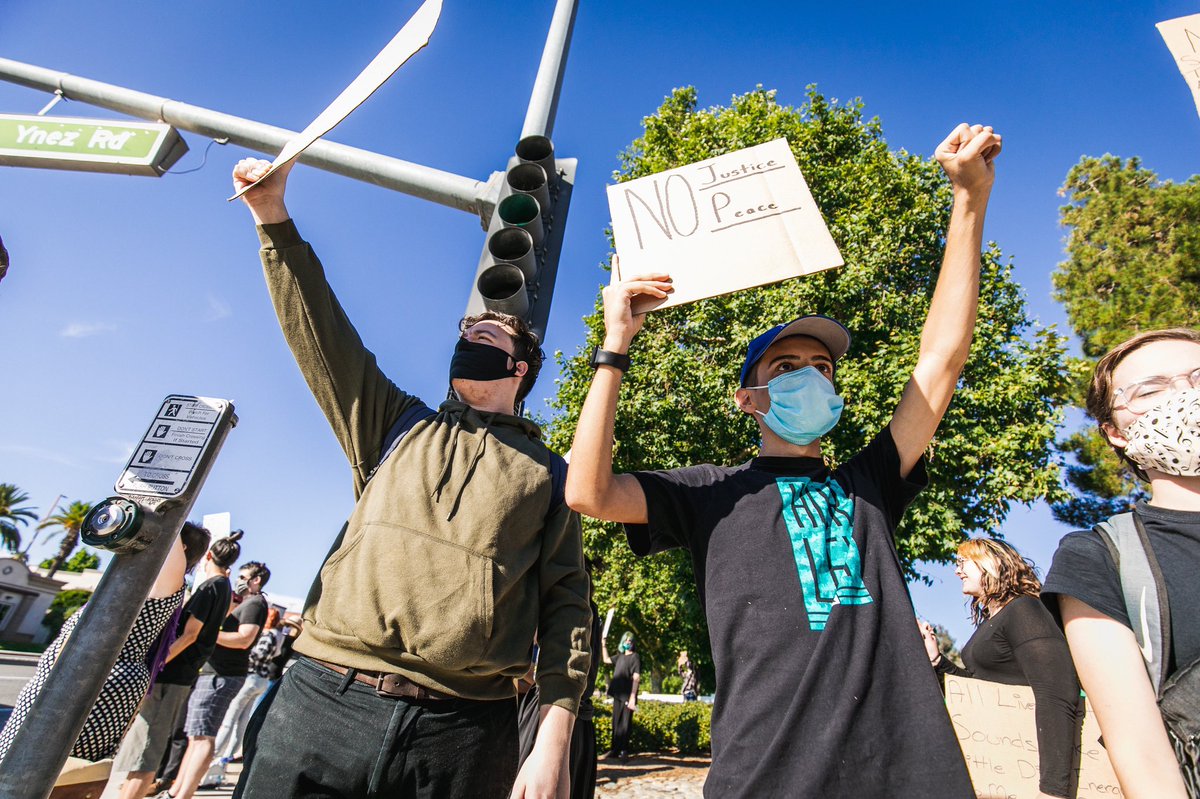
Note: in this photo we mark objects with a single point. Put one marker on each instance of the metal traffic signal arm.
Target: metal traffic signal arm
(466, 194)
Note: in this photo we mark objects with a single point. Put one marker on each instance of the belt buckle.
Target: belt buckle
(396, 685)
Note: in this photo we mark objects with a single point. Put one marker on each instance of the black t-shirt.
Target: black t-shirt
(625, 665)
(209, 603)
(1022, 645)
(823, 685)
(236, 662)
(1082, 568)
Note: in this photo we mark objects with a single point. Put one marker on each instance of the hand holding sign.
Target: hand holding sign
(266, 201)
(403, 46)
(626, 303)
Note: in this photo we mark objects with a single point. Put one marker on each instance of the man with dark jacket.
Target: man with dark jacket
(459, 548)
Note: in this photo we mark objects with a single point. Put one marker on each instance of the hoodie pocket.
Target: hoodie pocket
(395, 588)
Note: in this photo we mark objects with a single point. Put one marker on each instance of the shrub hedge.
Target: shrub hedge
(660, 727)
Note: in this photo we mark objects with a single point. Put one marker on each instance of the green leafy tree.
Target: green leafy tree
(1133, 264)
(62, 607)
(888, 211)
(69, 521)
(81, 560)
(13, 513)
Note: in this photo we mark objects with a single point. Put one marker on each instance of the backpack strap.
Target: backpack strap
(1143, 588)
(558, 481)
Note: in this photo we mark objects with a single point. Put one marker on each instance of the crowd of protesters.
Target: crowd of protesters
(450, 643)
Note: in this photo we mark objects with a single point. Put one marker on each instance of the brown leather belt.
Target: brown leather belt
(393, 685)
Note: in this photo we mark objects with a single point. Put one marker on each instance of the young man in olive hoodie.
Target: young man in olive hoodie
(459, 548)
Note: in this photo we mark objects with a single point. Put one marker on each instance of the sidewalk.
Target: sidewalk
(649, 776)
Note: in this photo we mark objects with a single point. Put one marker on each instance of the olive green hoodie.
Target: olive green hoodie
(453, 556)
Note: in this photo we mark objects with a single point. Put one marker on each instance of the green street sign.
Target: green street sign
(89, 145)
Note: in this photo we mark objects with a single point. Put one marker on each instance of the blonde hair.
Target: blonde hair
(1006, 575)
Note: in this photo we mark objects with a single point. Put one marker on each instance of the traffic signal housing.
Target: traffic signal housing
(519, 263)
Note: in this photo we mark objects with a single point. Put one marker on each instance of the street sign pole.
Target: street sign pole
(543, 102)
(519, 263)
(160, 490)
(424, 182)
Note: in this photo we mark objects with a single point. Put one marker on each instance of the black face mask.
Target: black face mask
(473, 361)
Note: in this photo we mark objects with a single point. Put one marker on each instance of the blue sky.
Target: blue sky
(126, 289)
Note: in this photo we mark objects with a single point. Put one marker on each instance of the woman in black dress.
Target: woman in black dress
(1018, 642)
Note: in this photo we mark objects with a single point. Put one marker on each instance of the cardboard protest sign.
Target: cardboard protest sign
(996, 729)
(608, 622)
(403, 46)
(1182, 36)
(728, 223)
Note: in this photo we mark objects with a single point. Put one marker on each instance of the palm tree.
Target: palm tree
(70, 519)
(11, 514)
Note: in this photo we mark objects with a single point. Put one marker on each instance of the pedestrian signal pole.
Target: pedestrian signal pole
(155, 494)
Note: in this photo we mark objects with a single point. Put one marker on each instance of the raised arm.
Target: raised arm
(357, 399)
(592, 488)
(1111, 672)
(966, 156)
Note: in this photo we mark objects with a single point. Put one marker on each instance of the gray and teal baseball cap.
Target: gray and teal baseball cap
(830, 332)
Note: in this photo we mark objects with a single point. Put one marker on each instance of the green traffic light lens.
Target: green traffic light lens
(519, 210)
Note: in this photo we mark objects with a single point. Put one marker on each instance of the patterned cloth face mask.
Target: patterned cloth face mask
(804, 406)
(1166, 438)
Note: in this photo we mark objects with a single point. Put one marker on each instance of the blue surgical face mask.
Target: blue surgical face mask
(804, 406)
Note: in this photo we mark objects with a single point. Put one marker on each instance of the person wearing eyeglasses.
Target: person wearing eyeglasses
(1132, 658)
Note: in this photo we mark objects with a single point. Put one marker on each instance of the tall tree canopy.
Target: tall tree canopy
(69, 520)
(888, 211)
(13, 512)
(1133, 264)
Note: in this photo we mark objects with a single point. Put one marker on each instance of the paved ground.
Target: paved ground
(15, 671)
(645, 776)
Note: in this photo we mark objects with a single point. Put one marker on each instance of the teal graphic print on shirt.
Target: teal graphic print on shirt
(819, 520)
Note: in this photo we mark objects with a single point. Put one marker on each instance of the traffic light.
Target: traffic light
(519, 263)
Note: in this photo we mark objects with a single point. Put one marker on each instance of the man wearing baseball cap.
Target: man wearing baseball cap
(823, 686)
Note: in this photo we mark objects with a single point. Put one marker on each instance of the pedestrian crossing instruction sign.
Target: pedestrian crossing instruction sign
(165, 460)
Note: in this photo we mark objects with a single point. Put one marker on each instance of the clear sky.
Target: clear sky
(125, 289)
